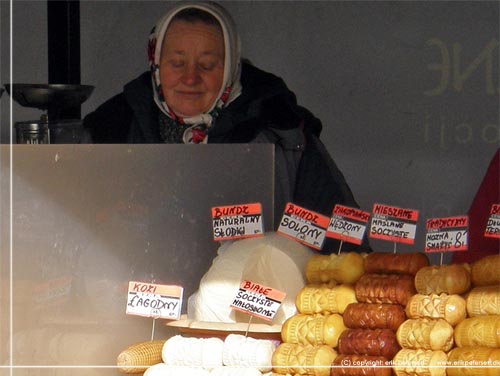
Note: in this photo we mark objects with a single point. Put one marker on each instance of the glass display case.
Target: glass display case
(81, 221)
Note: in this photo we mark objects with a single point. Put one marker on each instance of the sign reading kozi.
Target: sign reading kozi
(157, 301)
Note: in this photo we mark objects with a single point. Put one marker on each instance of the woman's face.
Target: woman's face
(191, 67)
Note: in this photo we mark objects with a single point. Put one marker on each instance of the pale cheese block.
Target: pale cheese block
(452, 308)
(313, 329)
(409, 362)
(484, 300)
(486, 271)
(272, 260)
(296, 359)
(478, 331)
(241, 351)
(193, 352)
(449, 279)
(345, 267)
(235, 371)
(162, 369)
(324, 299)
(474, 361)
(426, 334)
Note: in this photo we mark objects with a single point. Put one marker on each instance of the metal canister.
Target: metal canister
(32, 132)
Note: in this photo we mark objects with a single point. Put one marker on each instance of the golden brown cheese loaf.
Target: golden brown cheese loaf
(138, 357)
(474, 361)
(343, 268)
(426, 334)
(478, 331)
(452, 308)
(374, 342)
(374, 316)
(313, 329)
(385, 288)
(408, 362)
(486, 271)
(321, 299)
(449, 279)
(360, 365)
(484, 300)
(308, 360)
(399, 263)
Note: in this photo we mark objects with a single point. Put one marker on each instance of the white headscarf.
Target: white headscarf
(231, 87)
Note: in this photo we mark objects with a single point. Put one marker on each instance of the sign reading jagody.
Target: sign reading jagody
(152, 300)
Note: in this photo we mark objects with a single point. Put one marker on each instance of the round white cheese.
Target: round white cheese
(271, 260)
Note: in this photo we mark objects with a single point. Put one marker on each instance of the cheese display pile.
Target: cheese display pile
(235, 355)
(349, 314)
(409, 318)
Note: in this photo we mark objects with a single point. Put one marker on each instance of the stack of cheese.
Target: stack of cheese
(478, 336)
(369, 343)
(235, 355)
(427, 335)
(310, 338)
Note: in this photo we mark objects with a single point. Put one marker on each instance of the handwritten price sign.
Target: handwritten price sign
(394, 224)
(493, 225)
(447, 234)
(151, 300)
(348, 224)
(304, 226)
(258, 300)
(237, 221)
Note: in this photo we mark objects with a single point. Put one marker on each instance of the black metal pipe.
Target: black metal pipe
(63, 24)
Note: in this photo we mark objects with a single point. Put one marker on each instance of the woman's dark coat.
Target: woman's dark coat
(266, 111)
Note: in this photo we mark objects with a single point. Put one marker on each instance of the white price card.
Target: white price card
(447, 234)
(394, 224)
(304, 226)
(493, 226)
(258, 300)
(152, 300)
(237, 221)
(348, 224)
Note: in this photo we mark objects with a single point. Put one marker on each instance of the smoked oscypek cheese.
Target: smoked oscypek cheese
(394, 312)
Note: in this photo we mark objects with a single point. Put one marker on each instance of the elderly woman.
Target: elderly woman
(198, 90)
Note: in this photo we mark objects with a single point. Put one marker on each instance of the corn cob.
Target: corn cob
(138, 357)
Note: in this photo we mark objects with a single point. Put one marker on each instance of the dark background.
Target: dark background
(407, 90)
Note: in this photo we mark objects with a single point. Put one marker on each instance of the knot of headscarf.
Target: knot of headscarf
(197, 126)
